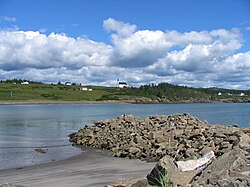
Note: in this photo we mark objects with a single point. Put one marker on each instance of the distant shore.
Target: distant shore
(140, 100)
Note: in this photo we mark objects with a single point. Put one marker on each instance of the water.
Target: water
(26, 127)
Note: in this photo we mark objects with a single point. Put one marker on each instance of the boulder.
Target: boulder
(134, 150)
(166, 170)
(244, 142)
(227, 170)
(190, 165)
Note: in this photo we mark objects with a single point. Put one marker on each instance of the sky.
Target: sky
(196, 43)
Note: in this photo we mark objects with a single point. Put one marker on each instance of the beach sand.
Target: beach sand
(61, 102)
(90, 169)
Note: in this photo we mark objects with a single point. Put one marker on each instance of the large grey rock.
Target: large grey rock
(166, 168)
(231, 169)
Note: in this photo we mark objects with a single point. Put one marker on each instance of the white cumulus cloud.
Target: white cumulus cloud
(123, 29)
(19, 50)
(197, 58)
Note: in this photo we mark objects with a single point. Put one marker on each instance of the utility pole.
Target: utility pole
(117, 81)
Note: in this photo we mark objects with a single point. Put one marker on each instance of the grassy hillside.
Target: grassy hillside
(45, 92)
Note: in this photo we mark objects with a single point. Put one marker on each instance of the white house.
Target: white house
(84, 89)
(25, 82)
(219, 93)
(68, 83)
(123, 85)
(242, 94)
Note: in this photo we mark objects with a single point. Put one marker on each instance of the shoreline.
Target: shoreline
(132, 101)
(2, 103)
(91, 168)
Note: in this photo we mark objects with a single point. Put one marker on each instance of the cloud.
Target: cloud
(197, 58)
(139, 49)
(8, 19)
(20, 50)
(122, 29)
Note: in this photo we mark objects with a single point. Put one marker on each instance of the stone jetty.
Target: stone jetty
(180, 137)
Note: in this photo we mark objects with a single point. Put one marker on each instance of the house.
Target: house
(84, 89)
(123, 85)
(242, 94)
(25, 82)
(68, 83)
(219, 93)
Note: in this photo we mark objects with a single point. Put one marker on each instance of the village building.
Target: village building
(84, 89)
(242, 94)
(25, 82)
(68, 83)
(123, 85)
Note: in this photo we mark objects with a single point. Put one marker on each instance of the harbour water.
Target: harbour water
(23, 128)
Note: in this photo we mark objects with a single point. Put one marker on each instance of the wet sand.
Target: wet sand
(90, 169)
(61, 102)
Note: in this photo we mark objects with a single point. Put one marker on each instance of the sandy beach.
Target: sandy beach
(90, 169)
(60, 102)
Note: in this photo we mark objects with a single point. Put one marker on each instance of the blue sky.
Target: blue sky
(84, 17)
(152, 40)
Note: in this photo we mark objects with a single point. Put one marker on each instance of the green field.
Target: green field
(45, 92)
(10, 92)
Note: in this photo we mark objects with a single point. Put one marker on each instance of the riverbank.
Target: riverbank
(90, 169)
(59, 102)
(139, 100)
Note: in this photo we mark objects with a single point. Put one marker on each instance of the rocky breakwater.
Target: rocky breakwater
(172, 140)
(180, 136)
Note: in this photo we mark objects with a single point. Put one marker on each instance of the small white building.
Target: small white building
(219, 93)
(123, 85)
(25, 82)
(68, 83)
(242, 94)
(84, 89)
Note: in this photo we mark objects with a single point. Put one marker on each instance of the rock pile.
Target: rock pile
(231, 169)
(180, 136)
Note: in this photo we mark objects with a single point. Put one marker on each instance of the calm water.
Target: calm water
(26, 127)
